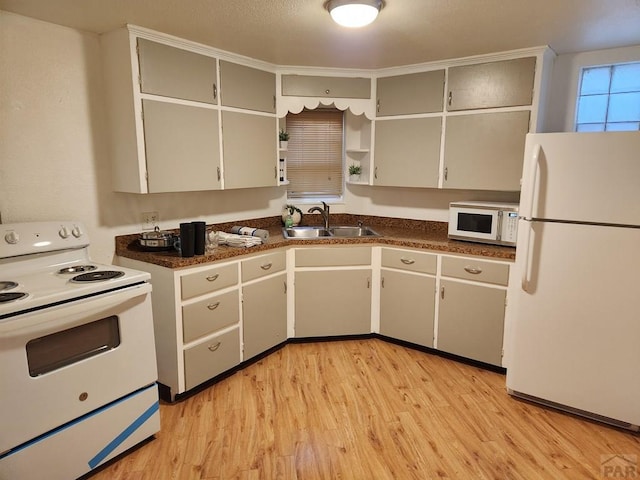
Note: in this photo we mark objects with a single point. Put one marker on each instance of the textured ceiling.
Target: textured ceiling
(300, 32)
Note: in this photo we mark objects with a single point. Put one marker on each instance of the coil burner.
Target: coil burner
(78, 269)
(99, 276)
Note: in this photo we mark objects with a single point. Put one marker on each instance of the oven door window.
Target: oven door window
(475, 222)
(57, 350)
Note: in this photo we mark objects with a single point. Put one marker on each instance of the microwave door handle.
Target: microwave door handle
(531, 181)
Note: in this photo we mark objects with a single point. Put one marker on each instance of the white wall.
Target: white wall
(54, 162)
(560, 112)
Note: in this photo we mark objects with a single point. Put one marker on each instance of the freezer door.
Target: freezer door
(574, 334)
(583, 177)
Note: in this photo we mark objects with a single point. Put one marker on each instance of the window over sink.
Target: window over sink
(315, 154)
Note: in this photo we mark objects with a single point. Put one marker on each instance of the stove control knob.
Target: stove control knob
(12, 237)
(64, 232)
(76, 232)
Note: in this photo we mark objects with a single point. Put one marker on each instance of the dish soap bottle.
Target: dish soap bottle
(288, 222)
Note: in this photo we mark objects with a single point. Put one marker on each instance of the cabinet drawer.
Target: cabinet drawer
(263, 265)
(478, 270)
(194, 284)
(209, 315)
(320, 86)
(340, 256)
(409, 260)
(211, 358)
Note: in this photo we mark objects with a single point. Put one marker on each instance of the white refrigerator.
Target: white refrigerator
(573, 337)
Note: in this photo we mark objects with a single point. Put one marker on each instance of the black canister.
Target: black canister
(200, 231)
(187, 239)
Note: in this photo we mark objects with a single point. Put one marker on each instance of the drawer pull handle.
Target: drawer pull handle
(213, 306)
(266, 266)
(407, 261)
(213, 348)
(473, 270)
(212, 278)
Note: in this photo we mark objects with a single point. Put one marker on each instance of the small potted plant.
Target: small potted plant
(284, 139)
(294, 212)
(354, 173)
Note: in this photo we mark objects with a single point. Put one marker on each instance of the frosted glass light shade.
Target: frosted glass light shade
(354, 13)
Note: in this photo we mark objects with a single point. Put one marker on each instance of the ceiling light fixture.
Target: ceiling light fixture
(354, 13)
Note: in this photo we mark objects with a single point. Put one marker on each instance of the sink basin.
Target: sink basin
(305, 232)
(345, 231)
(320, 232)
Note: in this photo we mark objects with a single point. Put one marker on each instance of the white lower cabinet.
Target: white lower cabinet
(332, 291)
(471, 308)
(407, 306)
(264, 310)
(209, 318)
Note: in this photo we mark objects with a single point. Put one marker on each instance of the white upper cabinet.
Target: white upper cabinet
(246, 87)
(506, 83)
(182, 146)
(173, 72)
(409, 94)
(249, 146)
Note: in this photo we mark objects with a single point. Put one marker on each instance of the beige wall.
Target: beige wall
(54, 162)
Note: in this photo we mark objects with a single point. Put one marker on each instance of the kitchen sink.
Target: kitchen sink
(305, 232)
(342, 231)
(345, 231)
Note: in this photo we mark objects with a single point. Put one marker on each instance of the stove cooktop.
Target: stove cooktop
(44, 264)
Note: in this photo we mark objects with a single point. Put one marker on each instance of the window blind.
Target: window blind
(314, 157)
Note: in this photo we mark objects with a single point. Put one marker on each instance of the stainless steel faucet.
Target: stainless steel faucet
(324, 212)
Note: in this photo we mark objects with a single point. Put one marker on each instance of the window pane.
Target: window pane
(626, 78)
(624, 107)
(592, 109)
(595, 80)
(590, 127)
(314, 154)
(623, 127)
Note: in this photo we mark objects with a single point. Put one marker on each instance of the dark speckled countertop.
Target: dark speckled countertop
(394, 232)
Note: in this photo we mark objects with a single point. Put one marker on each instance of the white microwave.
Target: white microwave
(484, 222)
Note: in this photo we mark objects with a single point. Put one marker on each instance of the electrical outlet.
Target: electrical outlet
(149, 220)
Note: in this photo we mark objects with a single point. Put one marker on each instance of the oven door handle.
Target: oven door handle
(73, 314)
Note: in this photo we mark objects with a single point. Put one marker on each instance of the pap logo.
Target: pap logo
(619, 466)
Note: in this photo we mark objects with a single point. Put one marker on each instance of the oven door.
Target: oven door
(64, 361)
(476, 224)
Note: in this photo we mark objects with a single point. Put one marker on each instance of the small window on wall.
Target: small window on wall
(609, 98)
(315, 153)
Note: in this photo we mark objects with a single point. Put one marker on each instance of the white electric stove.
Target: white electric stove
(77, 354)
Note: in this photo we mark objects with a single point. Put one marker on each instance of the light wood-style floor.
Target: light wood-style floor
(367, 409)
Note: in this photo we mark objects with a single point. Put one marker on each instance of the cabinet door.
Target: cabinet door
(249, 150)
(264, 306)
(246, 87)
(413, 93)
(320, 86)
(182, 147)
(471, 321)
(506, 83)
(330, 303)
(407, 152)
(177, 73)
(407, 307)
(485, 151)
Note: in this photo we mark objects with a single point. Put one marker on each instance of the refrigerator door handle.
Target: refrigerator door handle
(526, 248)
(531, 181)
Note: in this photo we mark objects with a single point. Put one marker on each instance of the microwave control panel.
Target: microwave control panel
(509, 226)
